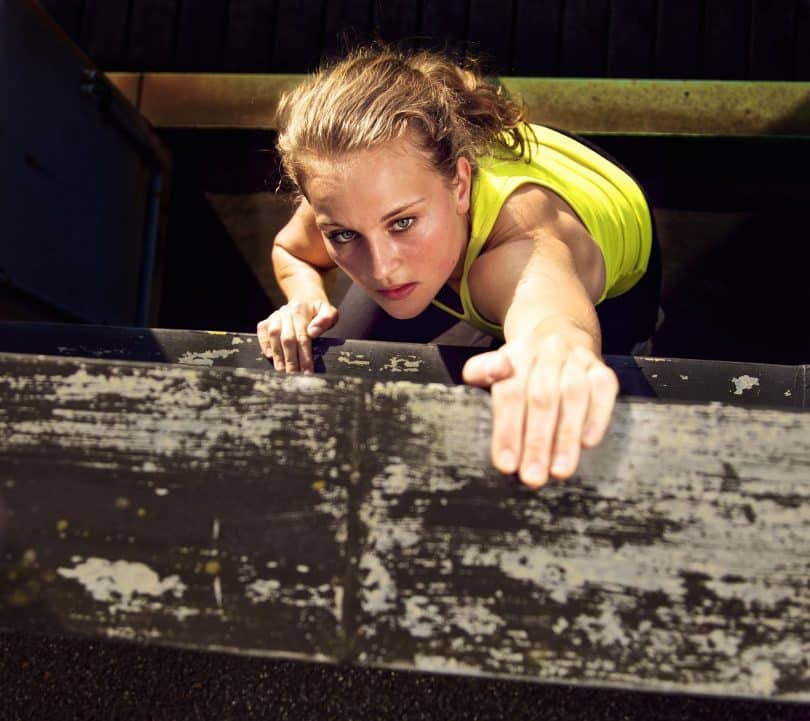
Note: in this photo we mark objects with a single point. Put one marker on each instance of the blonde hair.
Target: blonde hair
(375, 94)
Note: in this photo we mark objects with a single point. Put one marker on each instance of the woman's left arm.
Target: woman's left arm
(552, 394)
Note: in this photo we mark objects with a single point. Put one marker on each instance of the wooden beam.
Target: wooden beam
(679, 379)
(341, 520)
(586, 105)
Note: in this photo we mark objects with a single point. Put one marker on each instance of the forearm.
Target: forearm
(559, 305)
(297, 278)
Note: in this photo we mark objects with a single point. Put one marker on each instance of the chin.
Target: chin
(402, 311)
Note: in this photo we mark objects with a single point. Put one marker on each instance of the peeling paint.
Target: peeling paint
(124, 585)
(204, 358)
(744, 383)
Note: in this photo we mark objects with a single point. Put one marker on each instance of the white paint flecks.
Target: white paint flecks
(352, 359)
(126, 586)
(404, 364)
(764, 676)
(218, 591)
(379, 590)
(744, 383)
(205, 358)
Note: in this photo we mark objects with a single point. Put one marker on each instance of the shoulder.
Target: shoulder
(536, 212)
(536, 221)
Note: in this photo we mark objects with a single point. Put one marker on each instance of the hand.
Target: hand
(550, 397)
(286, 335)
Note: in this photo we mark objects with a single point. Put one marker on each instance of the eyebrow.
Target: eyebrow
(327, 223)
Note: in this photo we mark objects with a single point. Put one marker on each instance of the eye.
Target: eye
(403, 223)
(342, 236)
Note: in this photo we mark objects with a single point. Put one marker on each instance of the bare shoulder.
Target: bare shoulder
(533, 211)
(300, 237)
(535, 220)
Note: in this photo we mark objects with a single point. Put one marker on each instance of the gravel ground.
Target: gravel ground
(65, 679)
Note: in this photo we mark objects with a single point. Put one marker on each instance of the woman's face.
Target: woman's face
(392, 222)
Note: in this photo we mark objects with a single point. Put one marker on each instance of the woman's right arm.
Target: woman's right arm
(299, 262)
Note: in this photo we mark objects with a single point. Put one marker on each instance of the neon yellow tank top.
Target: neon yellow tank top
(607, 200)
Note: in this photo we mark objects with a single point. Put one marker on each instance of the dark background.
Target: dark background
(739, 295)
(719, 39)
(730, 211)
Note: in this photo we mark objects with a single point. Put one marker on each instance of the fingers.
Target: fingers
(542, 408)
(550, 407)
(325, 318)
(604, 389)
(286, 336)
(486, 368)
(575, 398)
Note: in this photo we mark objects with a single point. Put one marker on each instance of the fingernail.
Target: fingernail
(506, 461)
(534, 474)
(560, 464)
(590, 434)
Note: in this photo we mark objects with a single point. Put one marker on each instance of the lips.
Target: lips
(397, 292)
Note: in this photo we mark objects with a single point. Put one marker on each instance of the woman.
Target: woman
(438, 199)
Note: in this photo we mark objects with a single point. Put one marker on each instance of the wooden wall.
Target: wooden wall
(720, 39)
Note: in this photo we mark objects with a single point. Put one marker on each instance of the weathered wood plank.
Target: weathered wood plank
(671, 557)
(169, 504)
(677, 379)
(585, 105)
(339, 519)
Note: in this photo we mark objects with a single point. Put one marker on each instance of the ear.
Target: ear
(462, 185)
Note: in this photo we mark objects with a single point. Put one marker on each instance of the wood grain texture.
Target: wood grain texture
(669, 557)
(675, 379)
(173, 505)
(339, 519)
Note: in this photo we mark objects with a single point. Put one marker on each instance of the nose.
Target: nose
(384, 257)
